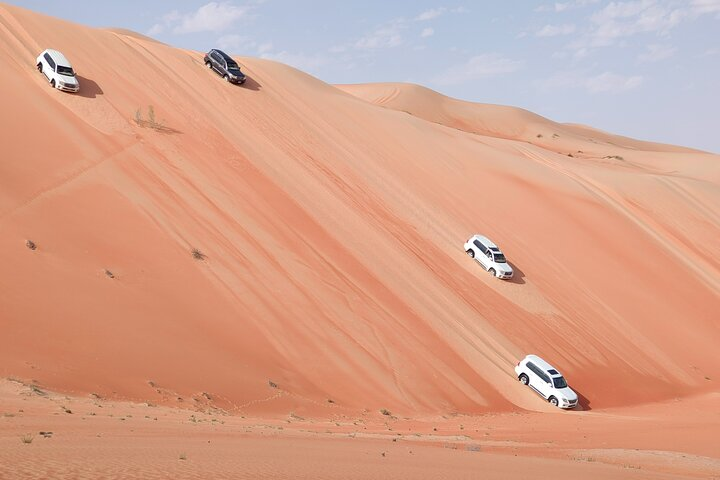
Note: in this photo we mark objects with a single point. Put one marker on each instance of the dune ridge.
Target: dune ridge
(331, 234)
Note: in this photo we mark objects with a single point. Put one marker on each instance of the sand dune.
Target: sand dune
(332, 231)
(329, 279)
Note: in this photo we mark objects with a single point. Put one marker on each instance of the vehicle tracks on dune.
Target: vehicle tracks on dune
(641, 219)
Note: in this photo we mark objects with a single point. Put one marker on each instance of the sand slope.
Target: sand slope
(333, 232)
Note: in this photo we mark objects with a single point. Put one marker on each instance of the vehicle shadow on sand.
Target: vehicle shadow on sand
(88, 88)
(251, 84)
(583, 402)
(518, 276)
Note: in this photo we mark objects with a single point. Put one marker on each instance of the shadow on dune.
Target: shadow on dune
(583, 402)
(157, 127)
(518, 277)
(88, 88)
(251, 84)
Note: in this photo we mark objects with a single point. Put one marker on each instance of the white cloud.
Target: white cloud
(706, 6)
(156, 29)
(234, 42)
(265, 47)
(477, 68)
(427, 32)
(564, 6)
(606, 82)
(555, 30)
(710, 52)
(655, 53)
(610, 82)
(301, 61)
(211, 17)
(624, 19)
(386, 36)
(617, 21)
(430, 14)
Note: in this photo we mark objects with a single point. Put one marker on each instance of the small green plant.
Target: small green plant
(27, 438)
(197, 254)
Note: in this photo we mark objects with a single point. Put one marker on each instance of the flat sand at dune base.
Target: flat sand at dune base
(96, 438)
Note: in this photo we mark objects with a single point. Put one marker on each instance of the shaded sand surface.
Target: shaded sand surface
(292, 247)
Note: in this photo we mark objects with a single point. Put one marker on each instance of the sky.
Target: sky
(648, 69)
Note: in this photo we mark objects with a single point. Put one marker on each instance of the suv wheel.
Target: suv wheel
(471, 253)
(208, 64)
(227, 78)
(492, 272)
(524, 379)
(39, 67)
(553, 401)
(52, 83)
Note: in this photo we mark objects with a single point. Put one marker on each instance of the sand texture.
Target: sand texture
(292, 247)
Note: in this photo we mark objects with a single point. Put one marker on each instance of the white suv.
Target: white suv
(58, 70)
(489, 256)
(546, 381)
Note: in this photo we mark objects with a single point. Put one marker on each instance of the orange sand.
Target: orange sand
(332, 221)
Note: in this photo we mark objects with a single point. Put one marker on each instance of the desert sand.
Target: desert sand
(329, 280)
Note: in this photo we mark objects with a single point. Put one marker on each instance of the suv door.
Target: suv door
(545, 385)
(481, 254)
(215, 60)
(538, 379)
(534, 377)
(50, 63)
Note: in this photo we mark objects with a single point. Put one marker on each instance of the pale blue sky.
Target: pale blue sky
(648, 69)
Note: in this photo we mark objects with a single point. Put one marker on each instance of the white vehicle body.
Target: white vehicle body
(546, 380)
(58, 70)
(489, 256)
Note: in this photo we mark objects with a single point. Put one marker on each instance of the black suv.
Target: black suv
(225, 66)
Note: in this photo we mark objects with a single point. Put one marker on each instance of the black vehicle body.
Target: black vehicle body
(225, 66)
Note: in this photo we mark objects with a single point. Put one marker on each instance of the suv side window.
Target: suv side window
(216, 57)
(50, 61)
(484, 250)
(533, 368)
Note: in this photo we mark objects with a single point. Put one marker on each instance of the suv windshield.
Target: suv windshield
(67, 71)
(559, 382)
(499, 257)
(233, 66)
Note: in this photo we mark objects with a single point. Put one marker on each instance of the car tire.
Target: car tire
(471, 253)
(553, 401)
(208, 65)
(524, 379)
(39, 67)
(52, 83)
(492, 272)
(227, 78)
